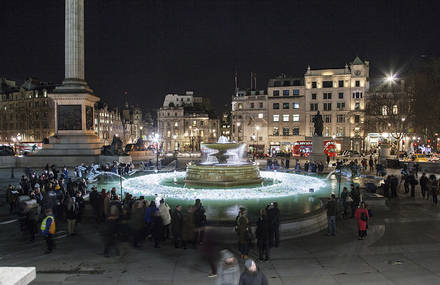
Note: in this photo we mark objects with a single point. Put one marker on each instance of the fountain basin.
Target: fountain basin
(223, 175)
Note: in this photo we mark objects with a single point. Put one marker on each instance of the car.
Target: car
(6, 151)
(418, 157)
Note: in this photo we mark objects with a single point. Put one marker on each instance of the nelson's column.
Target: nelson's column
(74, 100)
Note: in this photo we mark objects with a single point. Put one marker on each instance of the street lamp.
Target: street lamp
(157, 141)
(391, 78)
(257, 128)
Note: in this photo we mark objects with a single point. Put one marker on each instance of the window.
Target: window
(295, 132)
(327, 106)
(285, 105)
(327, 131)
(295, 105)
(285, 118)
(285, 131)
(261, 105)
(260, 116)
(357, 95)
(328, 118)
(314, 107)
(341, 83)
(194, 123)
(357, 83)
(357, 118)
(327, 84)
(276, 93)
(276, 131)
(340, 118)
(295, 92)
(395, 110)
(240, 106)
(340, 106)
(276, 106)
(176, 124)
(339, 131)
(313, 96)
(296, 118)
(357, 106)
(277, 83)
(341, 95)
(285, 92)
(384, 110)
(276, 118)
(327, 96)
(314, 84)
(252, 105)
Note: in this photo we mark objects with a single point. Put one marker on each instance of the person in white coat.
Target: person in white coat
(164, 211)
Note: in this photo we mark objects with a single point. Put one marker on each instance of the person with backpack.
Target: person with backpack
(362, 216)
(48, 230)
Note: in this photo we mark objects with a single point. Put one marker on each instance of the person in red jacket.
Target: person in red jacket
(362, 218)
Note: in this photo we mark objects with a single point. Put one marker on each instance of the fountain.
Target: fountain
(224, 164)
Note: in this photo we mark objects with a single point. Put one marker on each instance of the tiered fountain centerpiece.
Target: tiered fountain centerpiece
(224, 164)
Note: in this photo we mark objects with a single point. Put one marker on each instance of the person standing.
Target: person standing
(111, 230)
(48, 230)
(71, 215)
(177, 226)
(346, 200)
(157, 229)
(331, 215)
(262, 233)
(228, 270)
(412, 182)
(33, 216)
(433, 183)
(274, 219)
(164, 211)
(423, 184)
(362, 218)
(251, 275)
(137, 222)
(242, 229)
(394, 182)
(11, 198)
(356, 197)
(188, 228)
(199, 222)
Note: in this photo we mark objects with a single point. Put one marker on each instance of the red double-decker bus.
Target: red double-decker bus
(304, 148)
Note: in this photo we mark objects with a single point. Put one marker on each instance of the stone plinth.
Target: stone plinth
(223, 175)
(318, 154)
(17, 275)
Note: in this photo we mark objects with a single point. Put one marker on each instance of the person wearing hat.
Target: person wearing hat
(228, 270)
(251, 275)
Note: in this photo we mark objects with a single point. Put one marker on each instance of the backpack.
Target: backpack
(364, 217)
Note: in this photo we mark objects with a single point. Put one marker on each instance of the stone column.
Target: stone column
(74, 39)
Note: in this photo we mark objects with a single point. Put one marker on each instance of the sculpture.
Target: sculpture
(114, 149)
(318, 122)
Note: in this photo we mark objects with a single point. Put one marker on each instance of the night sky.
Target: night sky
(150, 48)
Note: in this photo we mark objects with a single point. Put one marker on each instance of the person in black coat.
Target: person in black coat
(177, 226)
(273, 214)
(424, 184)
(262, 233)
(156, 228)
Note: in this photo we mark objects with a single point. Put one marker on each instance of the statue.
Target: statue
(114, 149)
(318, 122)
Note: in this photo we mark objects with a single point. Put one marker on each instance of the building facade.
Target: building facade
(286, 113)
(26, 112)
(183, 127)
(225, 125)
(249, 119)
(108, 123)
(339, 94)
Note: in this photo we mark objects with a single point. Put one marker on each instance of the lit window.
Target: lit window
(295, 105)
(296, 118)
(384, 110)
(276, 118)
(395, 110)
(285, 118)
(176, 124)
(260, 116)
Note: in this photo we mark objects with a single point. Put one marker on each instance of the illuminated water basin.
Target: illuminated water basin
(297, 195)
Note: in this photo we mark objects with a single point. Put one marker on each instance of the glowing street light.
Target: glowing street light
(391, 78)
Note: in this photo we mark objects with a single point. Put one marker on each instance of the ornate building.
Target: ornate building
(339, 94)
(108, 123)
(250, 119)
(26, 111)
(184, 122)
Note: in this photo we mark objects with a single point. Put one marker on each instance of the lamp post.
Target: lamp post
(257, 128)
(157, 141)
